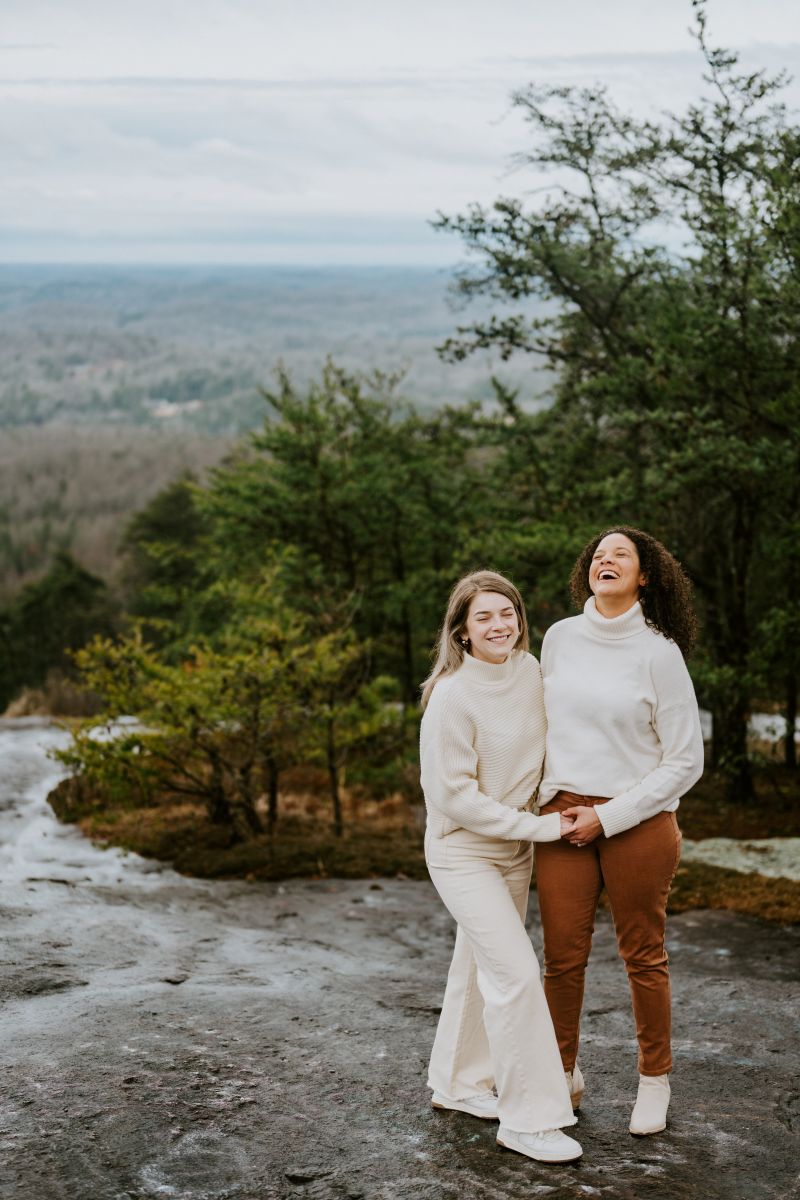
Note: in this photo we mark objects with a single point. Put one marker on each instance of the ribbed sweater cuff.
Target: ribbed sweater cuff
(543, 829)
(617, 815)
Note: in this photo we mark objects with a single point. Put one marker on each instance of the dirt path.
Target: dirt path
(165, 1037)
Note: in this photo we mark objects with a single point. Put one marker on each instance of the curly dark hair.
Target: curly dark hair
(666, 598)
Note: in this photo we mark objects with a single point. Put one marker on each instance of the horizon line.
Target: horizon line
(204, 265)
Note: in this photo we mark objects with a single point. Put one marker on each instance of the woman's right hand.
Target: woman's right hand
(566, 825)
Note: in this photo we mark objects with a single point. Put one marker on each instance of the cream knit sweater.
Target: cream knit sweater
(622, 718)
(481, 750)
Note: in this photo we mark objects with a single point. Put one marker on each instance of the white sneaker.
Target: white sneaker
(551, 1146)
(650, 1111)
(483, 1105)
(576, 1085)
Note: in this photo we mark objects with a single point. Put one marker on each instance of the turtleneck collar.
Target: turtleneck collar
(486, 673)
(611, 629)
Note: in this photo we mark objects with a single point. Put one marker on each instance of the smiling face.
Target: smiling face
(615, 574)
(492, 627)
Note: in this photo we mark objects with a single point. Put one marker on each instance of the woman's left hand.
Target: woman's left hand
(586, 825)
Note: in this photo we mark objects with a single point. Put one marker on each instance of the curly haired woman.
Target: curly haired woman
(623, 745)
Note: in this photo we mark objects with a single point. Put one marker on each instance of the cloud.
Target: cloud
(330, 165)
(159, 156)
(27, 46)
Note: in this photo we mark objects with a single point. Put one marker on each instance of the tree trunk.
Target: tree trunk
(333, 776)
(726, 570)
(245, 818)
(219, 812)
(729, 748)
(406, 632)
(273, 774)
(790, 713)
(410, 684)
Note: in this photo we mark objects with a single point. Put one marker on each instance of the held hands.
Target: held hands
(567, 824)
(580, 825)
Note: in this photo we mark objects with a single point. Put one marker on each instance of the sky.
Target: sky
(310, 131)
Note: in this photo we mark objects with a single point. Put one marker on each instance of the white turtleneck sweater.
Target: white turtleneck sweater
(622, 717)
(481, 749)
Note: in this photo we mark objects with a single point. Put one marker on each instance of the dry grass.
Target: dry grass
(697, 885)
(384, 838)
(704, 812)
(181, 835)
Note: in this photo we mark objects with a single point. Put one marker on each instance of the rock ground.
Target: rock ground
(773, 857)
(167, 1037)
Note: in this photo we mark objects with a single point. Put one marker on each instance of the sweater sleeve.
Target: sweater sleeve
(450, 783)
(676, 722)
(545, 656)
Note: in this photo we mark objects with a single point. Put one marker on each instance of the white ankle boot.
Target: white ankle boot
(576, 1085)
(650, 1111)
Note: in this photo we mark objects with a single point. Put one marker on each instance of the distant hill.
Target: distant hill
(189, 347)
(76, 488)
(114, 380)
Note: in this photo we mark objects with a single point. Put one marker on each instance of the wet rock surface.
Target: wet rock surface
(773, 857)
(166, 1037)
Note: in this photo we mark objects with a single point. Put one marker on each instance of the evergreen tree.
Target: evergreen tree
(220, 724)
(677, 404)
(367, 496)
(164, 568)
(47, 621)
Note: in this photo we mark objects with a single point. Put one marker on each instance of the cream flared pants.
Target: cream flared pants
(495, 1027)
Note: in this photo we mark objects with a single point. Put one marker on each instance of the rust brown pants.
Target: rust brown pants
(636, 867)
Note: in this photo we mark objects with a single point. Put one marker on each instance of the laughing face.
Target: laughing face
(615, 574)
(492, 627)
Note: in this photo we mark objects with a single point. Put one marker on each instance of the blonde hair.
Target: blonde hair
(449, 650)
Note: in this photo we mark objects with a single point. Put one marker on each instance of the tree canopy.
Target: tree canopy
(666, 255)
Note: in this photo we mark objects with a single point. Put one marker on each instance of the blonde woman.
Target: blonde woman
(481, 749)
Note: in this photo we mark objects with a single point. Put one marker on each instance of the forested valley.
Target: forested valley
(113, 381)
